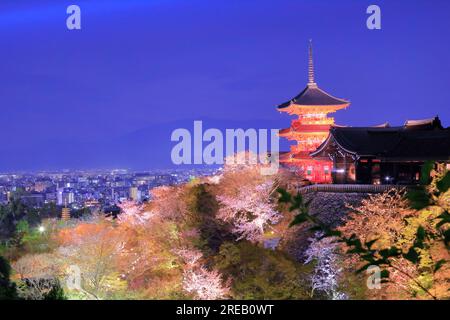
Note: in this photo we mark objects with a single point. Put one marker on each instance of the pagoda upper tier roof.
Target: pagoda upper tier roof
(312, 95)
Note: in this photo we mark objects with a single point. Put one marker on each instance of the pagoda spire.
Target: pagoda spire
(311, 80)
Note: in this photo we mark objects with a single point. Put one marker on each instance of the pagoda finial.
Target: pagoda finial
(310, 65)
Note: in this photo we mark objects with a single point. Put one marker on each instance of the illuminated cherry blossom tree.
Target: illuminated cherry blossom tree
(168, 202)
(326, 271)
(204, 284)
(38, 275)
(133, 214)
(95, 248)
(251, 211)
(380, 216)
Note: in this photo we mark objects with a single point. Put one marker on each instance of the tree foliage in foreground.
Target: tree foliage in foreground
(260, 273)
(430, 195)
(7, 288)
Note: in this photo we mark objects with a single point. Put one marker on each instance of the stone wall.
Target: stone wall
(330, 208)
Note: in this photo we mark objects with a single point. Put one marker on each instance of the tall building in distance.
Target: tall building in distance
(311, 128)
(65, 196)
(59, 196)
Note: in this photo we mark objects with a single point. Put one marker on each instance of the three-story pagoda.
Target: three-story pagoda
(311, 128)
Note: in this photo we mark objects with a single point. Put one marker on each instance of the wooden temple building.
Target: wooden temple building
(327, 153)
(384, 154)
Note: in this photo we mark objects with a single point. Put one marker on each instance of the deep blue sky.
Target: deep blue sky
(141, 63)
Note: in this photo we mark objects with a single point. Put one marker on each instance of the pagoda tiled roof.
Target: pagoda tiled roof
(312, 95)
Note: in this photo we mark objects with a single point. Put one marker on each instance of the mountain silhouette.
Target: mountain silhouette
(146, 148)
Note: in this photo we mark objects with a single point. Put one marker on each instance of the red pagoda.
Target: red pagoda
(311, 128)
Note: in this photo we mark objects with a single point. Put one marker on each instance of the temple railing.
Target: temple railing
(351, 188)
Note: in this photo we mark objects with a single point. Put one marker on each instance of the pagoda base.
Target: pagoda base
(316, 171)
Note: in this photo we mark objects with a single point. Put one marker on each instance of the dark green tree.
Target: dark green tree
(259, 273)
(203, 206)
(56, 293)
(7, 288)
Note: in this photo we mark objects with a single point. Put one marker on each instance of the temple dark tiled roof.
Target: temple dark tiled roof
(416, 141)
(314, 96)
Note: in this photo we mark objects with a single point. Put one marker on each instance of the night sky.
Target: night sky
(68, 98)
